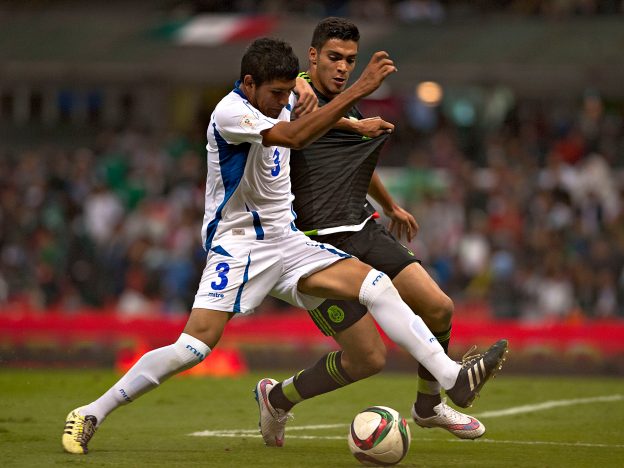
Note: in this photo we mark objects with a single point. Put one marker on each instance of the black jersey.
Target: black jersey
(331, 176)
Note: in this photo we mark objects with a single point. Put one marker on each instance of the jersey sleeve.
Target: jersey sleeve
(240, 123)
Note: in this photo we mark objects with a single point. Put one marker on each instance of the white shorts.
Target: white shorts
(240, 273)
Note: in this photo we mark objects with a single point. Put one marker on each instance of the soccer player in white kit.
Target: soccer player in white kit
(255, 250)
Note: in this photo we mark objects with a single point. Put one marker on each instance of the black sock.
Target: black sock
(325, 376)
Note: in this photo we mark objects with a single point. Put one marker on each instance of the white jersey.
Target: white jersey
(248, 185)
(254, 248)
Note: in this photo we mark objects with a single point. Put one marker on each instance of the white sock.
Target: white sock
(150, 371)
(405, 328)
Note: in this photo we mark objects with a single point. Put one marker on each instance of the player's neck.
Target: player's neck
(248, 92)
(316, 84)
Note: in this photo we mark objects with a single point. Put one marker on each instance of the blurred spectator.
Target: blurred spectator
(404, 10)
(527, 216)
(102, 210)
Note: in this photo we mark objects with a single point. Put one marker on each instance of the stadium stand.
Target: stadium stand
(516, 177)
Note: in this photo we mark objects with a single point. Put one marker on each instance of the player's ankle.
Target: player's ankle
(425, 403)
(278, 400)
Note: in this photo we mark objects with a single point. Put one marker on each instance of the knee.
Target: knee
(440, 313)
(375, 361)
(368, 363)
(206, 326)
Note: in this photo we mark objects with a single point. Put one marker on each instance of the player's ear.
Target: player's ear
(312, 55)
(248, 81)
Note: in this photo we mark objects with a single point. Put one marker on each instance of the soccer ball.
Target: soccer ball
(379, 436)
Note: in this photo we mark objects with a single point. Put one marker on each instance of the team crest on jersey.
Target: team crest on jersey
(247, 122)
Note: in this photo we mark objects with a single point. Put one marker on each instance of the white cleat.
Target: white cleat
(459, 424)
(272, 421)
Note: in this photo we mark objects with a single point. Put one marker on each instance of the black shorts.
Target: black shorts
(373, 245)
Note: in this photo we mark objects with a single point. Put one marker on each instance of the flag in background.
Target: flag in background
(216, 29)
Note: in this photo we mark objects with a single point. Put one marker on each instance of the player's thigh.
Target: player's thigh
(423, 295)
(302, 258)
(380, 249)
(377, 247)
(341, 280)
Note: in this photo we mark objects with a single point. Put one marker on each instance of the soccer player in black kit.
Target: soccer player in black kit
(330, 180)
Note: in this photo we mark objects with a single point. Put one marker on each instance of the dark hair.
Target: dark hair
(268, 59)
(334, 28)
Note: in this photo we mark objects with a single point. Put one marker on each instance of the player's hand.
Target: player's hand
(401, 222)
(373, 127)
(379, 67)
(306, 98)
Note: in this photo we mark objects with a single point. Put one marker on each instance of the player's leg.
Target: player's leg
(343, 320)
(426, 299)
(376, 246)
(375, 291)
(201, 334)
(312, 270)
(350, 279)
(362, 354)
(236, 278)
(363, 350)
(379, 248)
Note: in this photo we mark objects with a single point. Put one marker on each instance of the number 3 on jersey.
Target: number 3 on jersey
(276, 160)
(222, 270)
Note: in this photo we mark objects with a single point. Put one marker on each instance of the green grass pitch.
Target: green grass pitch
(154, 431)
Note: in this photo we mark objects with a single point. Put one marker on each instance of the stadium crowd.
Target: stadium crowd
(527, 216)
(407, 11)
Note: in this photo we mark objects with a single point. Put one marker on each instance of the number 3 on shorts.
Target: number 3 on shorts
(222, 270)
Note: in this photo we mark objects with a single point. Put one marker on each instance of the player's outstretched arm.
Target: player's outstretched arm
(306, 129)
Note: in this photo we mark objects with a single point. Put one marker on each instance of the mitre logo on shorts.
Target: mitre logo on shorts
(336, 314)
(247, 121)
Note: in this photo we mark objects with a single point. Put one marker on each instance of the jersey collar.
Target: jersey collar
(238, 91)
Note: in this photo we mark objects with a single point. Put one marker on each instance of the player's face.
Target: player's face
(332, 65)
(271, 97)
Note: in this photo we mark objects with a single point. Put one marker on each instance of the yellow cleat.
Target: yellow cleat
(78, 432)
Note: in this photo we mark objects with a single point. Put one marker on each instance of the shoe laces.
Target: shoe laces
(84, 430)
(446, 411)
(283, 416)
(468, 358)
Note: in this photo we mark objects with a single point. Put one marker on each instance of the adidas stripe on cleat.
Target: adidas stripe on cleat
(475, 372)
(78, 432)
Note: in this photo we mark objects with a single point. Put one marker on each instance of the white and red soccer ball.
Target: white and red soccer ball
(379, 436)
